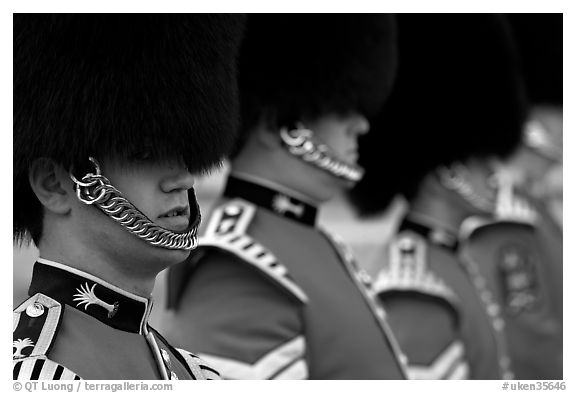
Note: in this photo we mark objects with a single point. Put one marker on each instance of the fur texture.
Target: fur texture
(294, 65)
(157, 86)
(458, 94)
(539, 38)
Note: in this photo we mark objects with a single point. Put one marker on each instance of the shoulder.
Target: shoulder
(35, 327)
(227, 238)
(407, 270)
(228, 233)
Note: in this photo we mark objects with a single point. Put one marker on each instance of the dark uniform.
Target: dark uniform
(279, 297)
(141, 90)
(76, 326)
(457, 100)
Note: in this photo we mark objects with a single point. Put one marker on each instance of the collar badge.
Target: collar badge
(282, 204)
(87, 297)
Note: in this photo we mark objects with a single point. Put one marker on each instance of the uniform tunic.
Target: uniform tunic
(520, 254)
(77, 326)
(437, 309)
(267, 295)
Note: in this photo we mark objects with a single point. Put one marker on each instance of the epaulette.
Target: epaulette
(200, 368)
(226, 231)
(35, 326)
(513, 207)
(407, 270)
(516, 209)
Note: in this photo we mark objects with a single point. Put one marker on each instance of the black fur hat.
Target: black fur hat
(121, 85)
(458, 94)
(294, 65)
(539, 38)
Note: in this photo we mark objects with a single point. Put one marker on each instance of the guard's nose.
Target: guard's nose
(178, 180)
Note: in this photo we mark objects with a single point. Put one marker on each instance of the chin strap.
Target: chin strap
(454, 178)
(95, 189)
(300, 143)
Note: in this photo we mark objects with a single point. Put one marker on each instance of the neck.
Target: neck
(127, 275)
(436, 207)
(272, 184)
(274, 169)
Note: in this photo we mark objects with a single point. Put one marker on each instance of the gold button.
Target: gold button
(35, 310)
(498, 324)
(403, 359)
(406, 244)
(232, 210)
(493, 309)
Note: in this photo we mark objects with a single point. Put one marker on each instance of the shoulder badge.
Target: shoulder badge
(510, 206)
(407, 270)
(200, 369)
(35, 326)
(226, 231)
(233, 217)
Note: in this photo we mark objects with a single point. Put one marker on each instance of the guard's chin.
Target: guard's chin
(168, 257)
(178, 256)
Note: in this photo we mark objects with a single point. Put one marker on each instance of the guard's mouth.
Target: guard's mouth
(179, 211)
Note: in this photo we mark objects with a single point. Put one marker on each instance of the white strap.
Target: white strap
(450, 364)
(283, 362)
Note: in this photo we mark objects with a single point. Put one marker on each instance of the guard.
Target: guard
(457, 106)
(113, 114)
(268, 294)
(520, 250)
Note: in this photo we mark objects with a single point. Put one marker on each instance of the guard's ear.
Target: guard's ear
(51, 184)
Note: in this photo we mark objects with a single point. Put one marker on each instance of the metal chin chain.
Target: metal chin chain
(95, 189)
(300, 142)
(454, 178)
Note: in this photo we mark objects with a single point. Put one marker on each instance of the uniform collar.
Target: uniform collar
(107, 303)
(435, 234)
(275, 200)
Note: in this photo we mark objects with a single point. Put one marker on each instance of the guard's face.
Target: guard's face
(160, 191)
(340, 133)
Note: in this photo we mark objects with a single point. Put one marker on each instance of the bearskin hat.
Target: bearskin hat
(121, 85)
(295, 65)
(458, 94)
(539, 38)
